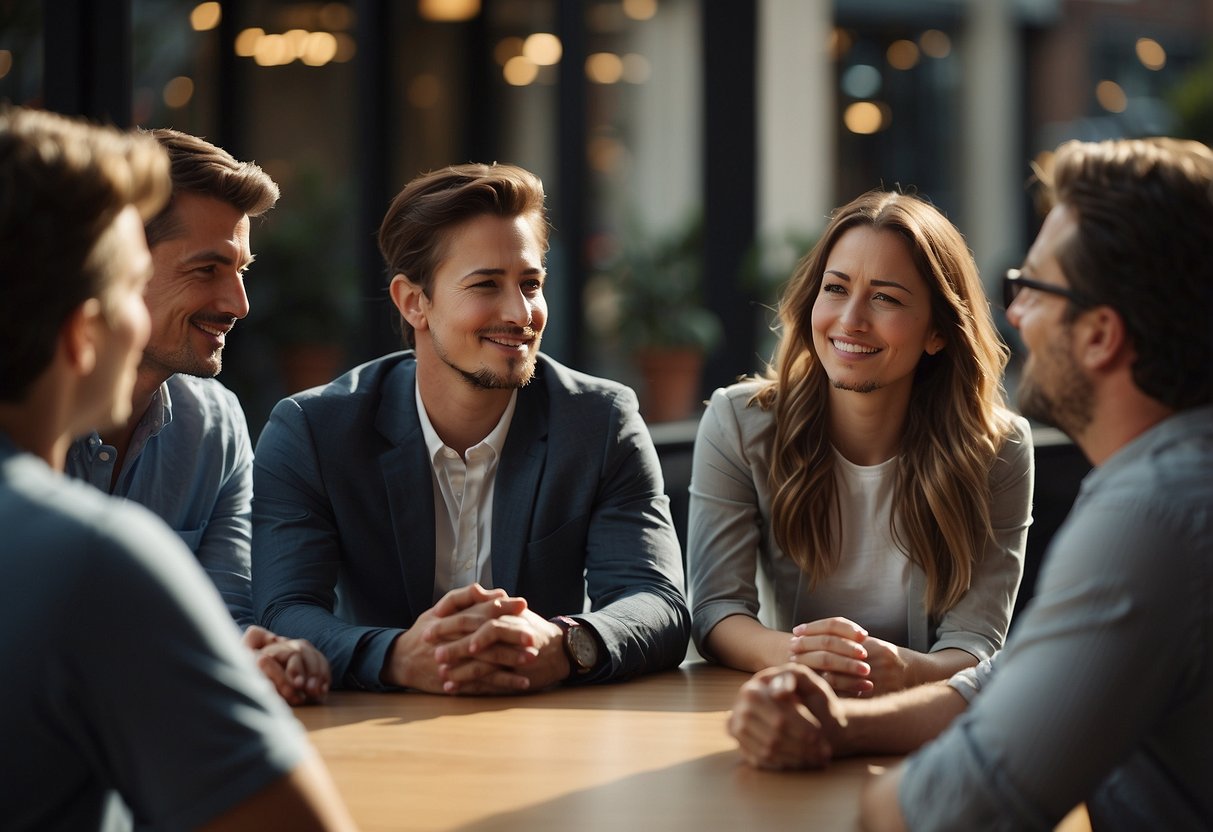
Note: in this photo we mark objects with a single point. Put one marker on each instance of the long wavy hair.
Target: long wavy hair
(954, 428)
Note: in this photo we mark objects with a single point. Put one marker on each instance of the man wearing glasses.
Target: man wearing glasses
(1102, 694)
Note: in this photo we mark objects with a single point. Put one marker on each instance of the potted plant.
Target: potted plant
(660, 318)
(305, 281)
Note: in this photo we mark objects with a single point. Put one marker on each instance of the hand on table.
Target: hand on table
(411, 661)
(785, 717)
(473, 656)
(851, 661)
(298, 671)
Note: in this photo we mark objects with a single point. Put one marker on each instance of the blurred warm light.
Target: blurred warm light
(864, 117)
(336, 16)
(178, 92)
(246, 42)
(604, 68)
(640, 9)
(347, 48)
(295, 38)
(838, 43)
(604, 153)
(636, 68)
(1111, 97)
(205, 16)
(273, 50)
(6, 62)
(425, 91)
(448, 11)
(543, 49)
(935, 44)
(902, 54)
(1151, 54)
(507, 48)
(519, 71)
(861, 81)
(318, 48)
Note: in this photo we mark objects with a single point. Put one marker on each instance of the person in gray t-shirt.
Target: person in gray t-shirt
(1104, 693)
(128, 698)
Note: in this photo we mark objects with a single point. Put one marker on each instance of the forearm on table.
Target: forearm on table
(742, 642)
(922, 668)
(897, 723)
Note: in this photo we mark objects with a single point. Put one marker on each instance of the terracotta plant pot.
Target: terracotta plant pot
(670, 382)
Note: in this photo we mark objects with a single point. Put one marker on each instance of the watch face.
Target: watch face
(583, 647)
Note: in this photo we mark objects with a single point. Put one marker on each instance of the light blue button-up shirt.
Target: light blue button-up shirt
(191, 462)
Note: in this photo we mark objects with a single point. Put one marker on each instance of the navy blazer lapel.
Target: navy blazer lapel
(407, 476)
(517, 482)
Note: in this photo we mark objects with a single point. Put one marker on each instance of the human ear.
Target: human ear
(935, 343)
(409, 300)
(78, 336)
(1102, 338)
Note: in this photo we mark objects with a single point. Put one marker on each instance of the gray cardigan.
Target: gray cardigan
(729, 536)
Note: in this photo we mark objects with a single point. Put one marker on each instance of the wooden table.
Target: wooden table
(650, 754)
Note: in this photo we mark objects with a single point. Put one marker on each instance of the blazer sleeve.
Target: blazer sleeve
(633, 566)
(297, 553)
(978, 624)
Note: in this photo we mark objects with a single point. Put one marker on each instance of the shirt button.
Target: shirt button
(104, 456)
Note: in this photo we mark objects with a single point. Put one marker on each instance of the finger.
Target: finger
(469, 620)
(464, 597)
(498, 682)
(828, 644)
(256, 637)
(824, 662)
(847, 685)
(273, 670)
(837, 626)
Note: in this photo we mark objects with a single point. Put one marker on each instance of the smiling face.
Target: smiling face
(1052, 387)
(196, 294)
(871, 320)
(483, 320)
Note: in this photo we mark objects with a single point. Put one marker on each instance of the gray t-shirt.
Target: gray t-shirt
(128, 698)
(1104, 693)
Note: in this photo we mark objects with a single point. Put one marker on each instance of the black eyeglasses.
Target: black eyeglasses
(1014, 282)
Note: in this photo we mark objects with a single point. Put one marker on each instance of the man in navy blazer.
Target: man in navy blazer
(386, 501)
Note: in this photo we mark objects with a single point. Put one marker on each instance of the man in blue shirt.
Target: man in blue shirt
(185, 451)
(109, 631)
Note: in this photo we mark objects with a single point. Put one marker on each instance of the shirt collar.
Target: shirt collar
(495, 440)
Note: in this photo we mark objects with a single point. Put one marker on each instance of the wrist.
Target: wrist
(581, 649)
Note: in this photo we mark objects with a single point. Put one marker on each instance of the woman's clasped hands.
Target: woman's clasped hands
(853, 662)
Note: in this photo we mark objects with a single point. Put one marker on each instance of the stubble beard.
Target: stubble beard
(519, 373)
(1070, 406)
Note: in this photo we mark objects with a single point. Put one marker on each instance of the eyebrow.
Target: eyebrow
(213, 256)
(892, 283)
(487, 272)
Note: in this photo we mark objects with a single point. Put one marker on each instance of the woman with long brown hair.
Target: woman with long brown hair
(874, 474)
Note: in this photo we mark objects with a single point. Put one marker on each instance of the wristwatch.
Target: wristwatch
(580, 645)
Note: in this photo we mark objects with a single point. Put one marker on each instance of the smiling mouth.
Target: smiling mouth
(511, 340)
(214, 330)
(856, 349)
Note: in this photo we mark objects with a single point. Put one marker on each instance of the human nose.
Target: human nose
(1015, 311)
(518, 308)
(853, 317)
(234, 299)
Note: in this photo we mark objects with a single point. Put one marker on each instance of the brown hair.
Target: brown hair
(1144, 209)
(955, 425)
(62, 184)
(414, 232)
(200, 167)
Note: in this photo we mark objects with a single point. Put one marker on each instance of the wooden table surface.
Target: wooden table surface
(649, 754)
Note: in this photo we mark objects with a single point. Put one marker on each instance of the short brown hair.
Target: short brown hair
(63, 182)
(1144, 209)
(199, 167)
(413, 234)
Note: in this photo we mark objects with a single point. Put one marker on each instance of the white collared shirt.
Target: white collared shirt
(463, 503)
